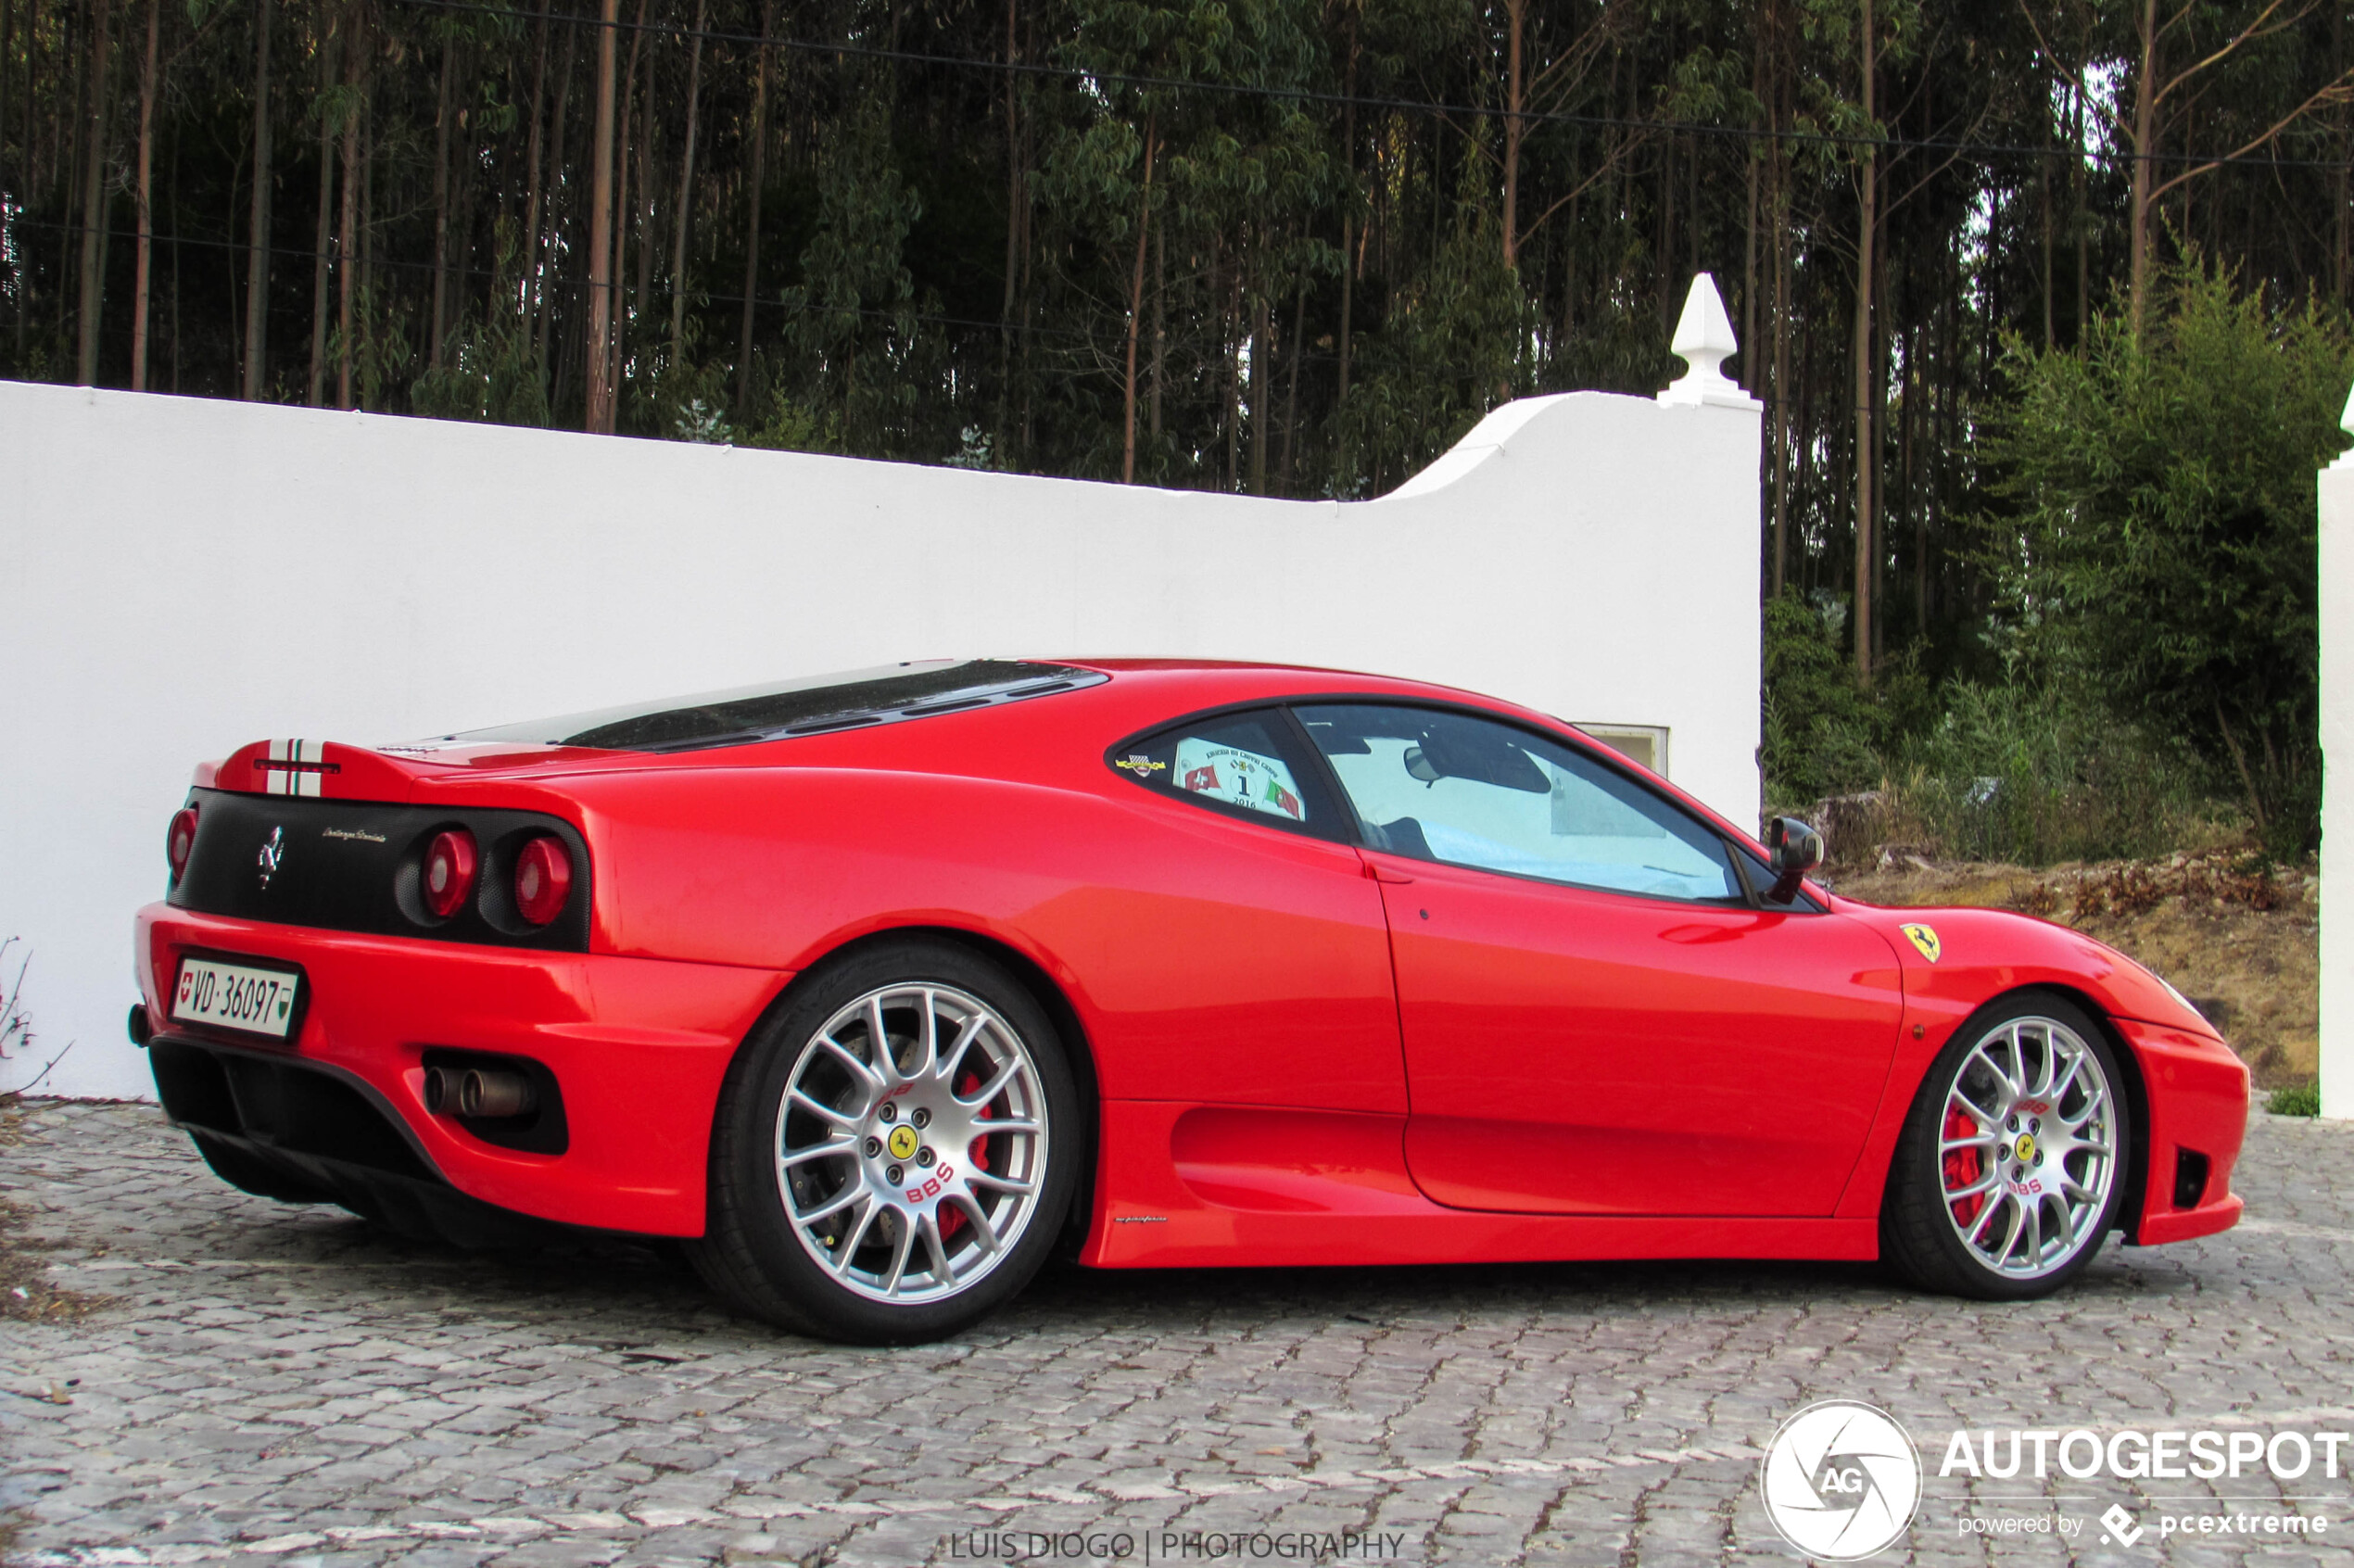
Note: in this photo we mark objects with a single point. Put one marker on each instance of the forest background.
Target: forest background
(2047, 302)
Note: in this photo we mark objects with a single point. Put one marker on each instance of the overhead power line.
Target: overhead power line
(467, 270)
(1982, 150)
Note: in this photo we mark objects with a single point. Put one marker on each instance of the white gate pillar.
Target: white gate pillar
(2337, 780)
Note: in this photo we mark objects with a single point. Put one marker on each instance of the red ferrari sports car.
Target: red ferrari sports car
(878, 988)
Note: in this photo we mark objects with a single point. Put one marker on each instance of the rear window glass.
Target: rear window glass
(1245, 765)
(809, 707)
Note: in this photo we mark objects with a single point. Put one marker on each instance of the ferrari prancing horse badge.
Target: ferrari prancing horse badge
(1926, 940)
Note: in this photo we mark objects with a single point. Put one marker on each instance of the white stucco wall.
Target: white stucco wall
(2338, 783)
(180, 576)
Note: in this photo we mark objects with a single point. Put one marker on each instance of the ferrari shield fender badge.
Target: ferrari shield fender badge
(1926, 940)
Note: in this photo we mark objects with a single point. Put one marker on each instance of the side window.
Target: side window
(1244, 764)
(1439, 785)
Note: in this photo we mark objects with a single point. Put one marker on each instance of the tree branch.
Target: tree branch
(2337, 91)
(2243, 36)
(2075, 78)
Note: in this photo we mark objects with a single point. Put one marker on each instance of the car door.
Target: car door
(1598, 1015)
(1233, 942)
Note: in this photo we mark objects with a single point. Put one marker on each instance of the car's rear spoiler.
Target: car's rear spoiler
(332, 771)
(325, 769)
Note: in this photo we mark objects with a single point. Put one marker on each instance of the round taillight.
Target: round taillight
(543, 879)
(448, 871)
(180, 840)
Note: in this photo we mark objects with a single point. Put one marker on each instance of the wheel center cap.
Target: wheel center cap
(2024, 1148)
(903, 1141)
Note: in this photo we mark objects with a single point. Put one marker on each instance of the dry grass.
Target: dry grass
(2242, 941)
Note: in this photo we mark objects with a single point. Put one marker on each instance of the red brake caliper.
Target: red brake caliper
(1963, 1167)
(953, 1219)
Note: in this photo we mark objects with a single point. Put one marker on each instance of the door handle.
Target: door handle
(1384, 874)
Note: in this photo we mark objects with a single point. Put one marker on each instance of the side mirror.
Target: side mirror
(1796, 848)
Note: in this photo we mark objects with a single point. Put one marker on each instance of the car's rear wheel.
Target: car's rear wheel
(2011, 1168)
(895, 1149)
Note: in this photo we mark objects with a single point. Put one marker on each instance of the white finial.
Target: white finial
(1703, 338)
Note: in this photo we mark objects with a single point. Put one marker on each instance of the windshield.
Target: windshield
(807, 706)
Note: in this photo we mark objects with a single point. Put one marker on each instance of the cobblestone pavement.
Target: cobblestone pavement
(267, 1386)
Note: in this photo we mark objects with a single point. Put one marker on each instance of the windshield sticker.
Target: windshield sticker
(1142, 766)
(1239, 777)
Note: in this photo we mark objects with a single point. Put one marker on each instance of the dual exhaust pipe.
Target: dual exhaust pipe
(478, 1092)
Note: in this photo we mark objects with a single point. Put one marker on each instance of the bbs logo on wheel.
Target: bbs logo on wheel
(1841, 1481)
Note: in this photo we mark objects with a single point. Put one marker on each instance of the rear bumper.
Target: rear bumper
(2197, 1111)
(639, 1046)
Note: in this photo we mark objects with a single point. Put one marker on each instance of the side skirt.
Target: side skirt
(1187, 1186)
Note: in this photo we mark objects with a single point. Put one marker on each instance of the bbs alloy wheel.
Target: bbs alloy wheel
(914, 1135)
(2011, 1171)
(895, 1151)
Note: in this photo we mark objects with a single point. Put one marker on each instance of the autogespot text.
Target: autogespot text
(2145, 1455)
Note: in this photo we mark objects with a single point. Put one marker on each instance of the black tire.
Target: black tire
(1921, 1223)
(761, 1262)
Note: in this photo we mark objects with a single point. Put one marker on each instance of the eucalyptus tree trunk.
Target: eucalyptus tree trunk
(599, 408)
(328, 37)
(686, 194)
(544, 296)
(752, 219)
(257, 245)
(2081, 222)
(1761, 45)
(2044, 204)
(143, 262)
(346, 262)
(1161, 317)
(623, 214)
(1867, 380)
(1291, 391)
(1136, 309)
(2145, 91)
(642, 296)
(1230, 345)
(441, 201)
(1515, 25)
(1783, 392)
(73, 136)
(1260, 422)
(93, 203)
(529, 278)
(7, 62)
(1349, 213)
(1013, 234)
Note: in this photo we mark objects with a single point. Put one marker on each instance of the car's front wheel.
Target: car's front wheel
(2012, 1166)
(894, 1151)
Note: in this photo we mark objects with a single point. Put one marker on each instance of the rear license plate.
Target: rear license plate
(236, 996)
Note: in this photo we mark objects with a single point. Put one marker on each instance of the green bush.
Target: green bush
(1824, 734)
(2297, 1099)
(2160, 548)
(2150, 556)
(2033, 774)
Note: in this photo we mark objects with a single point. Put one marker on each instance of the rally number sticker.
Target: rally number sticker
(1239, 777)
